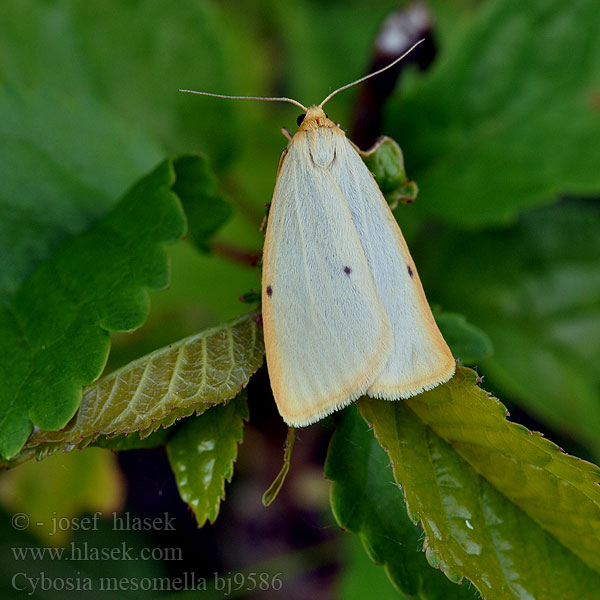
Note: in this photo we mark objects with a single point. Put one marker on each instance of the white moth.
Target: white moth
(343, 308)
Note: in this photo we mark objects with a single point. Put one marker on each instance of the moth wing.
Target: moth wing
(420, 358)
(327, 336)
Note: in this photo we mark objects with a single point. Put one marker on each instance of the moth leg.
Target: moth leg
(263, 224)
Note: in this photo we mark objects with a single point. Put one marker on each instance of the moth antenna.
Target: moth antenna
(290, 100)
(348, 85)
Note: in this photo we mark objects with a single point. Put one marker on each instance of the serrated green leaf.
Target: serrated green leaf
(468, 343)
(500, 506)
(189, 376)
(507, 118)
(534, 288)
(202, 453)
(54, 332)
(206, 210)
(366, 500)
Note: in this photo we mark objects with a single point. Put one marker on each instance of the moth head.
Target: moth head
(313, 118)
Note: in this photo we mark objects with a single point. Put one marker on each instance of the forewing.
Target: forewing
(326, 333)
(420, 358)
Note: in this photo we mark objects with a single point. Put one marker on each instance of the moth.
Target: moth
(343, 308)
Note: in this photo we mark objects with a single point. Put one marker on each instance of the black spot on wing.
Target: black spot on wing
(410, 271)
(269, 291)
(347, 270)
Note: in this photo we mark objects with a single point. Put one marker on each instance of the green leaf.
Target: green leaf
(506, 120)
(366, 500)
(206, 210)
(468, 343)
(534, 288)
(202, 453)
(500, 505)
(54, 332)
(189, 376)
(386, 163)
(64, 163)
